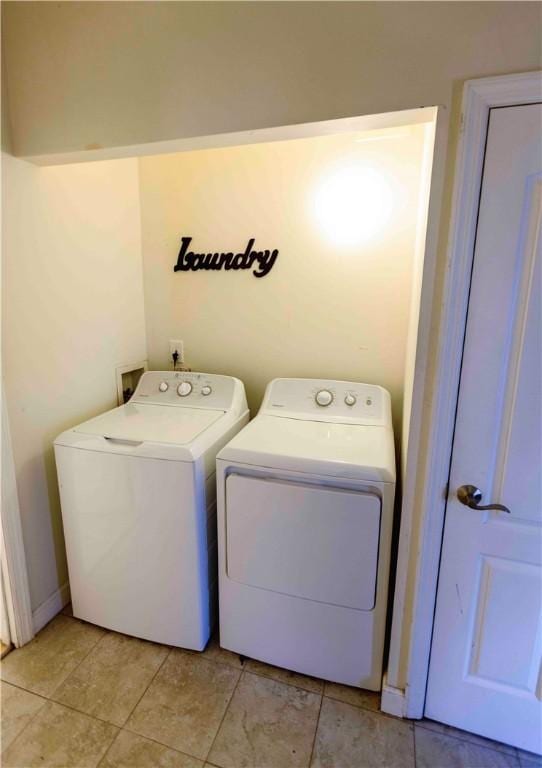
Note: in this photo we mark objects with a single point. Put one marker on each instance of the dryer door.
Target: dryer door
(314, 542)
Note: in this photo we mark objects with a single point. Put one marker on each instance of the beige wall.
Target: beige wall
(89, 74)
(72, 311)
(329, 307)
(416, 290)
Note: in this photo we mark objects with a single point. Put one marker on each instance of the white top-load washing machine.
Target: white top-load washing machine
(137, 490)
(305, 514)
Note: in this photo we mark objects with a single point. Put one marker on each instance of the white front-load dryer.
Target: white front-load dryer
(138, 497)
(305, 512)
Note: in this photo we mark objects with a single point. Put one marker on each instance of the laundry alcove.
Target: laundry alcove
(344, 204)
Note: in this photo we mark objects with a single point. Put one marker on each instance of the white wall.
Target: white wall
(328, 308)
(72, 311)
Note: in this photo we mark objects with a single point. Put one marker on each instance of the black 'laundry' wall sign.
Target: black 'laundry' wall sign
(263, 261)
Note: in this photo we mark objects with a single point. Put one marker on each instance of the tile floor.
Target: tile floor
(79, 697)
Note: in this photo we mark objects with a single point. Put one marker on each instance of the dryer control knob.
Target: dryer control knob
(206, 390)
(350, 400)
(184, 388)
(324, 397)
(164, 386)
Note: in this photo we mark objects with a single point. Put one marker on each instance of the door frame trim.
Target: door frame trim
(12, 552)
(479, 97)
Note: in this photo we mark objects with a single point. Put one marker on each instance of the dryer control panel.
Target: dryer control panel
(194, 390)
(328, 400)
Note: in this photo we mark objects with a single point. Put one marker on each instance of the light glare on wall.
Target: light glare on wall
(352, 204)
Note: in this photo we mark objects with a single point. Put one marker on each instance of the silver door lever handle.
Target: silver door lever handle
(471, 496)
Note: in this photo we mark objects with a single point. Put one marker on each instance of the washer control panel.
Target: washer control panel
(323, 400)
(204, 390)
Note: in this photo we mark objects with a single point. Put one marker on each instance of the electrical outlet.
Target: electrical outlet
(176, 345)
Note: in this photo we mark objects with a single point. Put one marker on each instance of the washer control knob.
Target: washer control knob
(350, 399)
(184, 388)
(206, 390)
(324, 397)
(164, 386)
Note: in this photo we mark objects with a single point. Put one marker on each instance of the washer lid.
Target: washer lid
(321, 448)
(136, 422)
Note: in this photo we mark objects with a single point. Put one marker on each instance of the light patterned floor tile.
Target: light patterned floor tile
(350, 737)
(448, 730)
(268, 724)
(18, 709)
(435, 750)
(43, 664)
(214, 652)
(132, 751)
(185, 703)
(58, 737)
(356, 696)
(113, 677)
(285, 676)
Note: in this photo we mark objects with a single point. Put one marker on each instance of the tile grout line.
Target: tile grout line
(167, 746)
(98, 641)
(362, 706)
(121, 728)
(64, 706)
(25, 690)
(94, 716)
(474, 744)
(201, 655)
(97, 718)
(151, 681)
(206, 759)
(316, 730)
(245, 668)
(160, 743)
(417, 724)
(48, 700)
(293, 685)
(45, 700)
(113, 740)
(414, 746)
(84, 714)
(55, 689)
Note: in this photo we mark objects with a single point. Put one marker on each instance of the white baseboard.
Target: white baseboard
(49, 609)
(393, 699)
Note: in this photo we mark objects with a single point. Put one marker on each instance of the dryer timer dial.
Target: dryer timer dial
(324, 397)
(184, 388)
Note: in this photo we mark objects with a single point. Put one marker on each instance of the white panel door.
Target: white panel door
(485, 670)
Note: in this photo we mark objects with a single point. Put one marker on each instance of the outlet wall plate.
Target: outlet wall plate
(176, 345)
